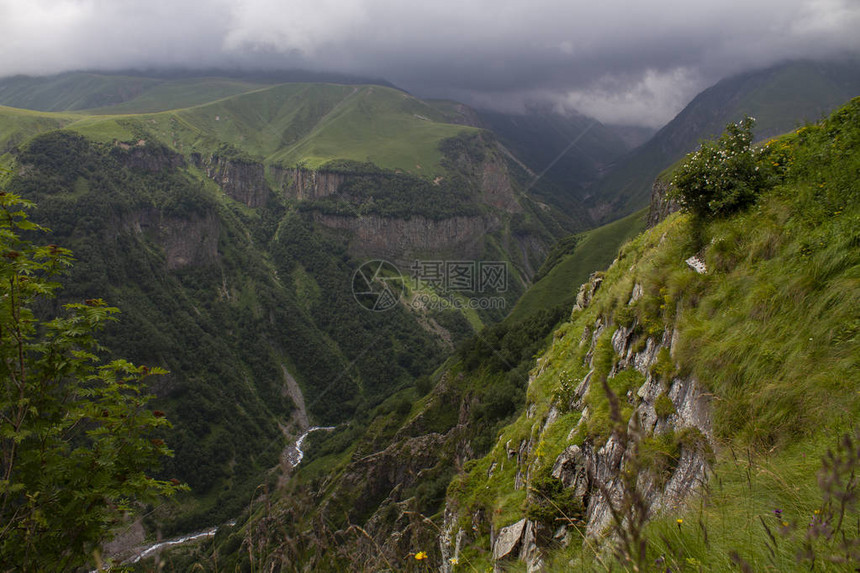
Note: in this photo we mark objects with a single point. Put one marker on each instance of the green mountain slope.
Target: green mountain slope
(230, 233)
(766, 339)
(176, 94)
(287, 124)
(572, 260)
(780, 98)
(705, 402)
(71, 91)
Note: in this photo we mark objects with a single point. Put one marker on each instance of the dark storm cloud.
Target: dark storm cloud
(622, 61)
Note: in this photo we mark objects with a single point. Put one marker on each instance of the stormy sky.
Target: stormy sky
(627, 62)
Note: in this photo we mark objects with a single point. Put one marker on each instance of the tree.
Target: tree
(723, 176)
(76, 436)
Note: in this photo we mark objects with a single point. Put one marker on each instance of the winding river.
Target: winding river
(294, 458)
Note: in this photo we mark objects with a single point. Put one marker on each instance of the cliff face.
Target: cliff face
(594, 469)
(242, 180)
(401, 240)
(496, 188)
(186, 241)
(301, 184)
(661, 205)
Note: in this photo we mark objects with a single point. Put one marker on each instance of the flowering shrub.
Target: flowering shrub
(723, 176)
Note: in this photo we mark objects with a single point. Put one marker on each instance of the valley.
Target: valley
(540, 382)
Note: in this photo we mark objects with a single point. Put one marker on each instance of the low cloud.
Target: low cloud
(621, 61)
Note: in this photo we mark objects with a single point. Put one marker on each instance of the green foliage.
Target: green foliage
(769, 332)
(663, 368)
(372, 191)
(502, 347)
(659, 453)
(571, 263)
(723, 176)
(550, 503)
(77, 435)
(663, 406)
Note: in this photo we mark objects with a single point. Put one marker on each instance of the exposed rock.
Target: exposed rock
(569, 467)
(496, 189)
(697, 264)
(241, 179)
(403, 240)
(587, 290)
(661, 205)
(305, 184)
(636, 294)
(187, 241)
(530, 551)
(595, 471)
(508, 540)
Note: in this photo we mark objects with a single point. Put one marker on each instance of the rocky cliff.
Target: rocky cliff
(661, 205)
(595, 467)
(402, 240)
(300, 184)
(241, 179)
(186, 241)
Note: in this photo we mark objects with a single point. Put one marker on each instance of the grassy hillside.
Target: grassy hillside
(780, 98)
(71, 91)
(176, 94)
(19, 125)
(287, 124)
(770, 330)
(572, 260)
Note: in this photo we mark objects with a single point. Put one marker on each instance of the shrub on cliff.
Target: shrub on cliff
(723, 176)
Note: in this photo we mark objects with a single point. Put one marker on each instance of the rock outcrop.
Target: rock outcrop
(496, 188)
(300, 184)
(402, 240)
(597, 469)
(186, 241)
(661, 204)
(241, 179)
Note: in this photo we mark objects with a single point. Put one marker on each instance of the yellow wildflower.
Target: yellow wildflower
(454, 561)
(679, 521)
(421, 555)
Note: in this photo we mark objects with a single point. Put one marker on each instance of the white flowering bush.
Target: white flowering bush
(723, 176)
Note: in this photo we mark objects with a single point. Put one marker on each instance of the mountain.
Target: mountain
(156, 90)
(694, 407)
(780, 98)
(563, 153)
(567, 152)
(233, 233)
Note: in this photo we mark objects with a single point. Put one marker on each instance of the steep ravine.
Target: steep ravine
(290, 458)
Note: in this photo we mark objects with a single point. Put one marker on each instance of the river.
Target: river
(294, 458)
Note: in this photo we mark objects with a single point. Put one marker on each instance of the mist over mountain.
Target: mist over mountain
(779, 98)
(621, 64)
